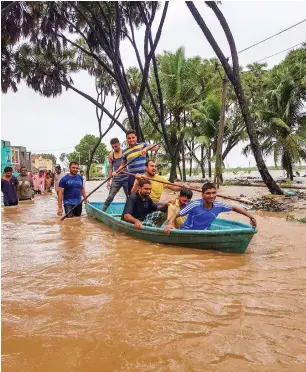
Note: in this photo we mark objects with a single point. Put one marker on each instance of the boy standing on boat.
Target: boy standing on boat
(140, 208)
(115, 160)
(157, 187)
(134, 150)
(70, 191)
(202, 213)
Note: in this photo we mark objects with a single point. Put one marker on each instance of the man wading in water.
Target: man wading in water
(202, 213)
(9, 185)
(70, 191)
(57, 176)
(25, 186)
(115, 160)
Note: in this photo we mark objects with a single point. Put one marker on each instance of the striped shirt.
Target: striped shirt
(200, 218)
(131, 153)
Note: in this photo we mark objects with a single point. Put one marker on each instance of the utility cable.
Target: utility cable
(282, 51)
(270, 37)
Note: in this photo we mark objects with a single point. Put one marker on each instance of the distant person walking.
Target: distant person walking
(39, 183)
(25, 188)
(57, 176)
(115, 160)
(70, 192)
(48, 182)
(9, 185)
(82, 174)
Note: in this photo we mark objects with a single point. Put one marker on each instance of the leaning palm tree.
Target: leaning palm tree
(178, 78)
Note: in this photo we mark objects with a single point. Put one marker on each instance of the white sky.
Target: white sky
(57, 125)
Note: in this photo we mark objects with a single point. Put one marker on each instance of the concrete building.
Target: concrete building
(40, 163)
(6, 160)
(20, 157)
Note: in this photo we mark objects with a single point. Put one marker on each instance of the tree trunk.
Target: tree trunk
(173, 172)
(91, 156)
(209, 162)
(183, 162)
(202, 162)
(287, 164)
(218, 165)
(233, 75)
(183, 151)
(190, 161)
(180, 171)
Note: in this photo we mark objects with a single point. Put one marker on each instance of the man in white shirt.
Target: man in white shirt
(82, 174)
(57, 176)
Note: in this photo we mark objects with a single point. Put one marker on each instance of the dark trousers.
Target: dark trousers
(9, 203)
(115, 187)
(131, 181)
(75, 213)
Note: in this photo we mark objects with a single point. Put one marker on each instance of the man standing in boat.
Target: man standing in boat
(25, 186)
(140, 208)
(202, 213)
(133, 150)
(115, 159)
(70, 191)
(157, 187)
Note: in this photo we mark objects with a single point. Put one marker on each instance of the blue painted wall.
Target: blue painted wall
(5, 155)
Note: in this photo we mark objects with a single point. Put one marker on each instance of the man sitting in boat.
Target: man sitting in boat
(201, 213)
(157, 187)
(140, 208)
(179, 203)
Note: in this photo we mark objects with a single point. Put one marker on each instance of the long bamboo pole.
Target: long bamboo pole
(190, 188)
(121, 171)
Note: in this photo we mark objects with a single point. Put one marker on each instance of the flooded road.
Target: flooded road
(76, 296)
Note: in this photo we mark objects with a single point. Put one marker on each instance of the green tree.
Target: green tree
(49, 156)
(84, 149)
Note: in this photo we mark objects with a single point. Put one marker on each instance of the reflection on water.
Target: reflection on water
(76, 296)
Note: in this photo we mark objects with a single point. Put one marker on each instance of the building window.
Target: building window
(15, 156)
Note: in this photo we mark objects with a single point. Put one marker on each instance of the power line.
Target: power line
(282, 51)
(63, 148)
(270, 37)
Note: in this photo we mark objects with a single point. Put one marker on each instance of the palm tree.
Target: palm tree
(233, 74)
(285, 114)
(178, 78)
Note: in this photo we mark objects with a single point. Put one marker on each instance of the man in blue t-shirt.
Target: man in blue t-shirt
(202, 213)
(71, 190)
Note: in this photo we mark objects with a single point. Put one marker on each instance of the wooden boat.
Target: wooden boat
(223, 235)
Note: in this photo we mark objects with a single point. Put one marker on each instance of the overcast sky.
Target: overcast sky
(57, 125)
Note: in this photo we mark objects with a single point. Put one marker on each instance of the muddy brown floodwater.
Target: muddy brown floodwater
(78, 297)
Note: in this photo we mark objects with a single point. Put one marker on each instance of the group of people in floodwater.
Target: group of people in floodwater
(24, 186)
(143, 187)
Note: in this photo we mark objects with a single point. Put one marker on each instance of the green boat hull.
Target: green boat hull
(223, 235)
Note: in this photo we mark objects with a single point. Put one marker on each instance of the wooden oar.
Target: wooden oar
(121, 171)
(190, 188)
